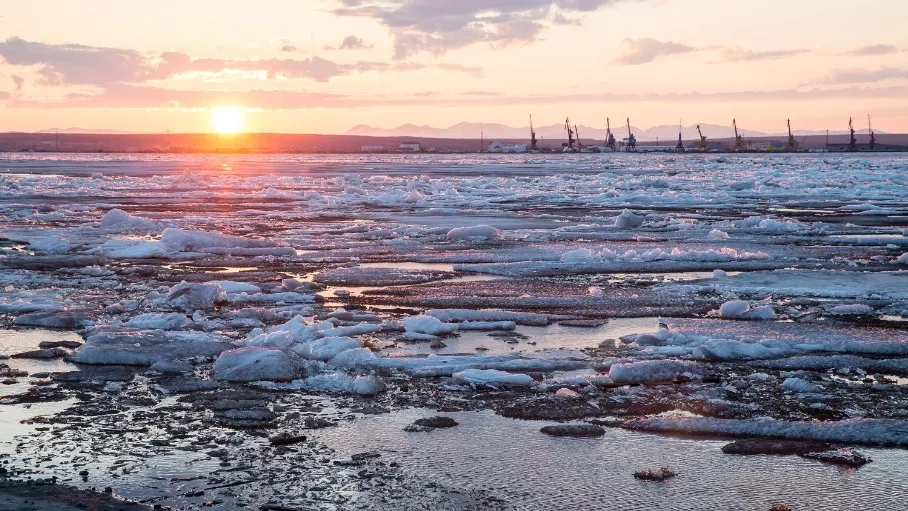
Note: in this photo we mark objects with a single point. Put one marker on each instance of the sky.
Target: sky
(324, 66)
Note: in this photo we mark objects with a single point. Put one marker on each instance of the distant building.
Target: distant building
(372, 148)
(499, 147)
(414, 147)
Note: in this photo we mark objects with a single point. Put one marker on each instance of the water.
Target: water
(551, 338)
(530, 470)
(18, 341)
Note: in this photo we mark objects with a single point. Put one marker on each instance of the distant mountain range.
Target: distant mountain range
(83, 131)
(472, 130)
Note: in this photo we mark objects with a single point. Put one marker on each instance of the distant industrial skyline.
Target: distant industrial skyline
(325, 66)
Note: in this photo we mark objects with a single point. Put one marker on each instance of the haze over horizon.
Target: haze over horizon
(327, 66)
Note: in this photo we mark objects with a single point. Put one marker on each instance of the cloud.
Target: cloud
(874, 49)
(641, 51)
(739, 54)
(131, 96)
(289, 48)
(437, 27)
(351, 43)
(76, 64)
(173, 64)
(851, 76)
(4, 95)
(19, 81)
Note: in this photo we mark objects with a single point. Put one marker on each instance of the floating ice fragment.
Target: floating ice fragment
(119, 220)
(648, 371)
(474, 233)
(254, 364)
(857, 309)
(716, 234)
(733, 308)
(428, 325)
(800, 385)
(628, 220)
(486, 377)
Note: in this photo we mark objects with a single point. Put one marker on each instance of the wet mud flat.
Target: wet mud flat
(287, 343)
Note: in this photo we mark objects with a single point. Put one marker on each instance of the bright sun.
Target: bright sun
(227, 120)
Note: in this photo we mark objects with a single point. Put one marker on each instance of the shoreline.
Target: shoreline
(26, 495)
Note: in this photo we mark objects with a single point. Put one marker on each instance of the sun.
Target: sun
(227, 120)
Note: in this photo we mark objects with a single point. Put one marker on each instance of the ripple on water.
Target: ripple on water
(515, 461)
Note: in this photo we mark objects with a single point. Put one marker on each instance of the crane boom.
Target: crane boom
(872, 136)
(703, 146)
(852, 142)
(609, 136)
(631, 139)
(739, 140)
(570, 132)
(792, 143)
(532, 134)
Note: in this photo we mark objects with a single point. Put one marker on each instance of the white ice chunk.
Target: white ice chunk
(857, 309)
(190, 297)
(474, 233)
(326, 348)
(628, 220)
(800, 385)
(647, 371)
(121, 221)
(155, 321)
(355, 357)
(230, 286)
(733, 308)
(483, 377)
(716, 234)
(254, 364)
(428, 325)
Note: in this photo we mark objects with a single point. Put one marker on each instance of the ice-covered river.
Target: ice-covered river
(162, 307)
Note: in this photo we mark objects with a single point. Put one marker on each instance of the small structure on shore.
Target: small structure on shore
(500, 147)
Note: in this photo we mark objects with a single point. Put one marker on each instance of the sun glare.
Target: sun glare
(227, 120)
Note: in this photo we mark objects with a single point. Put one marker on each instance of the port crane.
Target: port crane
(577, 132)
(852, 142)
(792, 143)
(703, 146)
(532, 135)
(570, 132)
(680, 146)
(631, 139)
(872, 136)
(739, 140)
(609, 136)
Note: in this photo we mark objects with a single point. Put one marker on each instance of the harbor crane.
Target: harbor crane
(852, 142)
(532, 135)
(680, 146)
(609, 136)
(631, 139)
(570, 132)
(577, 132)
(739, 140)
(792, 143)
(703, 146)
(872, 136)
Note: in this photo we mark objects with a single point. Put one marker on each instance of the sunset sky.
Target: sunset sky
(323, 66)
